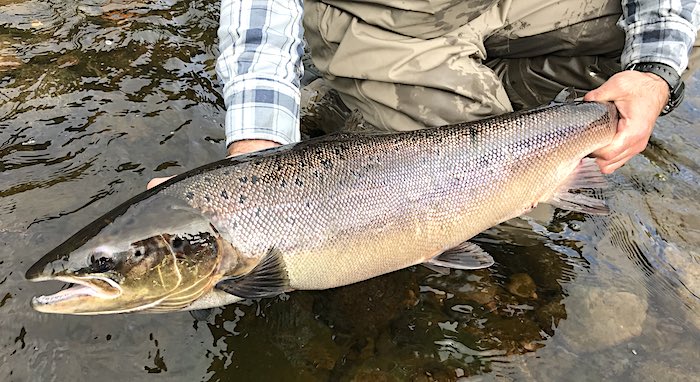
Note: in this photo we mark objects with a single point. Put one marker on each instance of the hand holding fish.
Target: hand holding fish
(249, 145)
(639, 98)
(236, 148)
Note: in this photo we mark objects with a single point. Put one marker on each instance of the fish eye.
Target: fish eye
(177, 243)
(102, 263)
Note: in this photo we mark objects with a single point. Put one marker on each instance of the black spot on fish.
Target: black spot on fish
(472, 134)
(242, 199)
(207, 198)
(254, 179)
(299, 182)
(189, 195)
(224, 194)
(227, 172)
(283, 183)
(326, 163)
(243, 179)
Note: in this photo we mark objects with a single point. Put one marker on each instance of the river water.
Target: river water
(98, 97)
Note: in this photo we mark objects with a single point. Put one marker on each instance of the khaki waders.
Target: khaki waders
(410, 64)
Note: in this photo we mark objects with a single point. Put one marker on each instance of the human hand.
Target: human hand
(236, 148)
(249, 145)
(639, 98)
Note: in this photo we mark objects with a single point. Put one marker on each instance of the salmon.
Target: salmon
(327, 212)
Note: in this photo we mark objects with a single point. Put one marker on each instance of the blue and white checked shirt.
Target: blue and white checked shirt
(261, 44)
(659, 31)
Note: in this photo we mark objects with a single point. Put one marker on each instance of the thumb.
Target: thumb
(603, 93)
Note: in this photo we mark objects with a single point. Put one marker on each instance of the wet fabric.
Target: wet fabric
(447, 70)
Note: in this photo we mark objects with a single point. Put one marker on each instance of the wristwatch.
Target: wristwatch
(668, 74)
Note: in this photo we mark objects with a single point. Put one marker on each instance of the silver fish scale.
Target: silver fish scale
(345, 208)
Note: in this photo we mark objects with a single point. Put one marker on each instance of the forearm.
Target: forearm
(659, 31)
(260, 65)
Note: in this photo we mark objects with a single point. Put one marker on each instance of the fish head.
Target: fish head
(154, 254)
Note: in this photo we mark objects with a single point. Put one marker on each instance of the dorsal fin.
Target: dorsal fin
(269, 278)
(566, 95)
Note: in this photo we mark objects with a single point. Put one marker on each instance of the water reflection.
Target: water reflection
(401, 326)
(97, 97)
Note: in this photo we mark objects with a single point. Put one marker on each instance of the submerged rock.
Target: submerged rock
(687, 268)
(598, 318)
(658, 371)
(522, 285)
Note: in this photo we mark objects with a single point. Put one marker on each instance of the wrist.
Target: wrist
(659, 85)
(666, 74)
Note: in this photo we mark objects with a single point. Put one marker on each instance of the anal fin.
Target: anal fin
(587, 175)
(466, 256)
(267, 279)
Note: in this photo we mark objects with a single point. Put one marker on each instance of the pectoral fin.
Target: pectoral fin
(268, 278)
(437, 269)
(464, 256)
(587, 175)
(202, 314)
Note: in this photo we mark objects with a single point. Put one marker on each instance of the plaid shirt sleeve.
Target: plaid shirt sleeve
(261, 44)
(659, 31)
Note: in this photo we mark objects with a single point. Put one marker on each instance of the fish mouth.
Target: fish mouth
(74, 299)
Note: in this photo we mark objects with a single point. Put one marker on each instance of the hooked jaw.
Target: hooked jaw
(55, 267)
(131, 259)
(86, 292)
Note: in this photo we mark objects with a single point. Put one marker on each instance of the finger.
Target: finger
(612, 166)
(156, 181)
(593, 95)
(614, 149)
(625, 137)
(608, 153)
(249, 145)
(612, 153)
